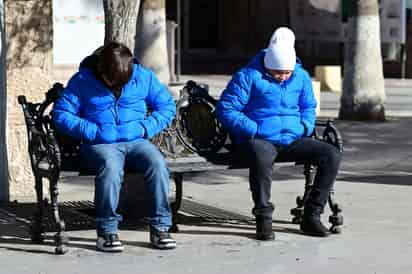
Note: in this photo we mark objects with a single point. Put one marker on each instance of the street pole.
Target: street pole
(178, 42)
(4, 181)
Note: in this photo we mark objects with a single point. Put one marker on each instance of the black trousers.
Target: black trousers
(259, 155)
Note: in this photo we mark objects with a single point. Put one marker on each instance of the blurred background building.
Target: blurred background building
(219, 36)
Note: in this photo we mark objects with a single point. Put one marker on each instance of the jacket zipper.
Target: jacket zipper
(116, 114)
(282, 93)
(116, 104)
(282, 103)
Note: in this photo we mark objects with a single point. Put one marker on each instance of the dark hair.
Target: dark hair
(115, 65)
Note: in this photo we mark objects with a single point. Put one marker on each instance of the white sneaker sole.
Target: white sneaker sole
(171, 245)
(116, 247)
(110, 249)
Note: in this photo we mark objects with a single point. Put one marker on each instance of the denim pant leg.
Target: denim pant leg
(144, 157)
(327, 160)
(107, 160)
(260, 156)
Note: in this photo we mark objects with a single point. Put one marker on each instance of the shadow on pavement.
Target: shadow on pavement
(401, 180)
(245, 228)
(15, 219)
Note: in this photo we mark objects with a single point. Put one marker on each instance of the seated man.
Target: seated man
(105, 106)
(269, 109)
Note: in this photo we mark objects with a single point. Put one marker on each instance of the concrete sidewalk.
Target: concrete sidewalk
(374, 187)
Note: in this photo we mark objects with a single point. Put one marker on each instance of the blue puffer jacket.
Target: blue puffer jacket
(89, 111)
(254, 105)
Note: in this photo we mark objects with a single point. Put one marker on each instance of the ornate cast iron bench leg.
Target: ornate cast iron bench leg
(336, 219)
(61, 238)
(175, 206)
(297, 212)
(37, 226)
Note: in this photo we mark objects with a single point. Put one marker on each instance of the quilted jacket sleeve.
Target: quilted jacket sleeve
(66, 115)
(162, 106)
(307, 105)
(232, 101)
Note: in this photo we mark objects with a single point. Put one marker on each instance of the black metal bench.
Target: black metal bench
(195, 142)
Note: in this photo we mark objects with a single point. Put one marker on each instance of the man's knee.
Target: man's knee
(259, 152)
(111, 168)
(332, 157)
(335, 156)
(157, 164)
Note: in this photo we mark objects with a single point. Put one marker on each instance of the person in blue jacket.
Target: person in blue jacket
(105, 105)
(268, 107)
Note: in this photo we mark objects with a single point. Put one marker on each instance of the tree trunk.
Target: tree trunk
(363, 93)
(120, 18)
(29, 40)
(151, 47)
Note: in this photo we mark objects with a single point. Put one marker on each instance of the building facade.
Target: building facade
(219, 36)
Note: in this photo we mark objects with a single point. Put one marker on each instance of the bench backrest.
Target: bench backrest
(197, 126)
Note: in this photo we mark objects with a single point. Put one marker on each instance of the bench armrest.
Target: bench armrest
(326, 131)
(42, 145)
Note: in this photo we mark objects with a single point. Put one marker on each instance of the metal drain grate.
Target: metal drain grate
(78, 214)
(213, 214)
(202, 212)
(79, 205)
(74, 219)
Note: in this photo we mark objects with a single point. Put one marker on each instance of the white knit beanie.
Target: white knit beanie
(283, 34)
(281, 55)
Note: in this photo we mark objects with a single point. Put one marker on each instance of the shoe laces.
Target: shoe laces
(111, 238)
(163, 235)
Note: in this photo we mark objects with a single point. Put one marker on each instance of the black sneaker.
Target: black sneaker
(109, 243)
(313, 226)
(161, 239)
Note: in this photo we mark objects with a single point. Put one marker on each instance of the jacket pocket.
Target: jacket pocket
(88, 131)
(129, 131)
(293, 126)
(106, 134)
(268, 128)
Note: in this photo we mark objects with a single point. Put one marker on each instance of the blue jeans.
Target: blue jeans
(109, 161)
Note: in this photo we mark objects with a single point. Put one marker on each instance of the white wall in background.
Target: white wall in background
(78, 27)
